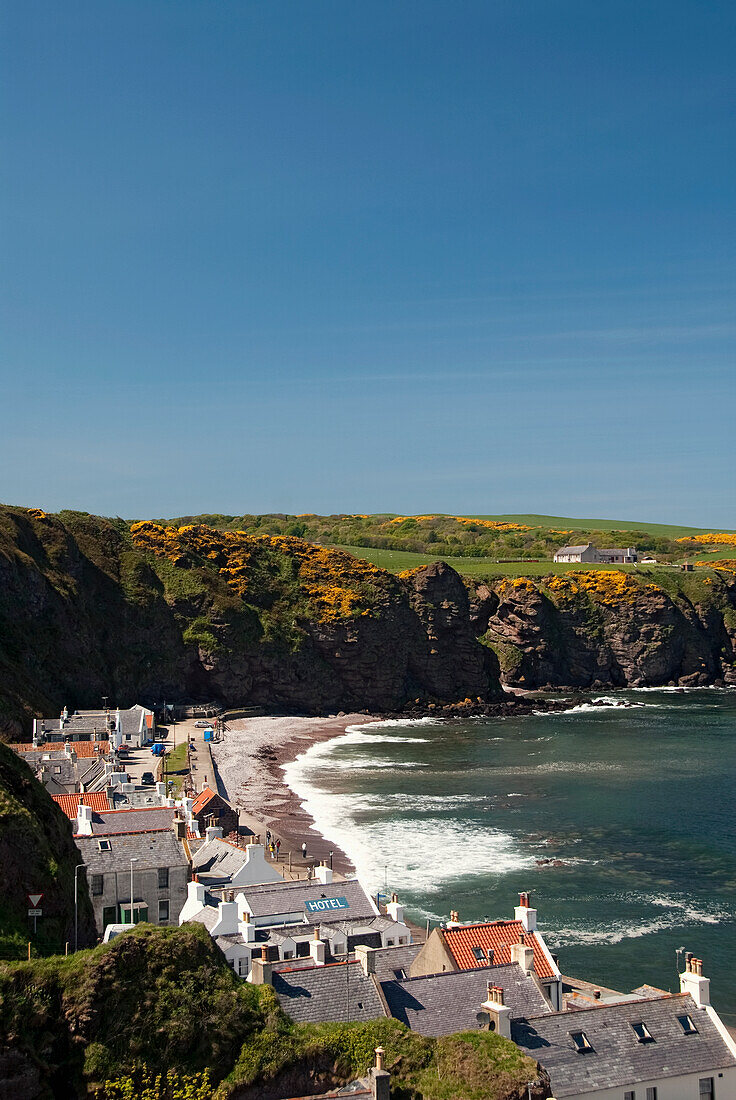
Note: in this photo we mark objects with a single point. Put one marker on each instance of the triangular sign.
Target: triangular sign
(34, 899)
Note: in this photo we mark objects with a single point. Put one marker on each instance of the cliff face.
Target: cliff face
(37, 855)
(598, 629)
(89, 607)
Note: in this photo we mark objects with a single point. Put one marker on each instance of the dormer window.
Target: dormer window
(687, 1025)
(104, 845)
(581, 1042)
(642, 1032)
(479, 954)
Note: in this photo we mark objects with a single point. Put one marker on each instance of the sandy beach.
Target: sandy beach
(250, 761)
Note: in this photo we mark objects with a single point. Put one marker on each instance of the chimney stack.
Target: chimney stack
(323, 873)
(693, 982)
(365, 957)
(499, 1014)
(380, 1078)
(454, 920)
(318, 949)
(525, 913)
(395, 910)
(523, 954)
(261, 972)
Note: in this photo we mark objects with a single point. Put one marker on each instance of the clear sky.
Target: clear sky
(397, 255)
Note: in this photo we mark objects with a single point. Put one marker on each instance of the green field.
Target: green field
(666, 529)
(395, 561)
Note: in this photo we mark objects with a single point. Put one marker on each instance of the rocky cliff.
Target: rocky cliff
(37, 855)
(593, 629)
(92, 607)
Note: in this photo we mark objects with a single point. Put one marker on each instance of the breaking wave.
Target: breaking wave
(674, 913)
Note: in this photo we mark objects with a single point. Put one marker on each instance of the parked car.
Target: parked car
(147, 779)
(203, 723)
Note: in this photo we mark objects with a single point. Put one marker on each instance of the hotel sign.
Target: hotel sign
(324, 905)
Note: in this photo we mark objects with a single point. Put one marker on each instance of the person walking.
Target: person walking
(278, 848)
(304, 850)
(268, 836)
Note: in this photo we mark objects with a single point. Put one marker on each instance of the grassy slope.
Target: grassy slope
(395, 561)
(165, 998)
(669, 530)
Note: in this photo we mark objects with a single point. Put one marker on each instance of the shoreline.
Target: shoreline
(250, 761)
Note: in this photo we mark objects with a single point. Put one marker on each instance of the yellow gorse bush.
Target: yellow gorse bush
(604, 586)
(711, 539)
(332, 581)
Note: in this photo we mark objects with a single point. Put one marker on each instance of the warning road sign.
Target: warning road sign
(34, 899)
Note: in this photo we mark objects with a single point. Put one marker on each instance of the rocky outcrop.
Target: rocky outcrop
(88, 609)
(612, 629)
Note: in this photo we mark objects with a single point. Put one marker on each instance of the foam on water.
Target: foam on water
(675, 912)
(413, 854)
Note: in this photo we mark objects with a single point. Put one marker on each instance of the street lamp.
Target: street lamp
(77, 869)
(133, 859)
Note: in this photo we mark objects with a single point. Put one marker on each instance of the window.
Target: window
(163, 878)
(706, 1088)
(163, 912)
(581, 1042)
(642, 1032)
(687, 1025)
(109, 913)
(96, 885)
(630, 1095)
(652, 1093)
(104, 845)
(243, 967)
(288, 954)
(302, 949)
(400, 974)
(479, 954)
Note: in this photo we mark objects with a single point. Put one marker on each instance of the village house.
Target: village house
(129, 728)
(459, 946)
(283, 918)
(144, 847)
(644, 1045)
(590, 553)
(211, 809)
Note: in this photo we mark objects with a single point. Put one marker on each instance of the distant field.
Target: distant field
(395, 561)
(665, 529)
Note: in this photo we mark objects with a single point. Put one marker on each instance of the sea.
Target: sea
(616, 814)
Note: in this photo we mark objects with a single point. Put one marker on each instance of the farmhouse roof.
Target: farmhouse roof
(575, 549)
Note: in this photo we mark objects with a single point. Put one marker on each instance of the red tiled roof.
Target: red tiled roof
(81, 748)
(70, 802)
(498, 935)
(202, 799)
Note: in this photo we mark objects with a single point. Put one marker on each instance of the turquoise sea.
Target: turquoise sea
(619, 820)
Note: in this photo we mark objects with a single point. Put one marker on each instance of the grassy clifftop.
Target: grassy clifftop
(108, 1022)
(92, 607)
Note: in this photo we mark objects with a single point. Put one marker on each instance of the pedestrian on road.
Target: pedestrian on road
(304, 850)
(278, 848)
(268, 836)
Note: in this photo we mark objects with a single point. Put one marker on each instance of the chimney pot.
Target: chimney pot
(379, 1057)
(316, 932)
(264, 953)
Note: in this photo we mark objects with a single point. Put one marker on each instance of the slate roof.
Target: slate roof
(388, 959)
(69, 802)
(498, 936)
(219, 859)
(574, 549)
(160, 849)
(617, 1058)
(441, 1004)
(338, 992)
(277, 899)
(111, 822)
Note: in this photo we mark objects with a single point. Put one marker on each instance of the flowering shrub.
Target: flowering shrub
(37, 513)
(608, 587)
(711, 539)
(728, 565)
(336, 585)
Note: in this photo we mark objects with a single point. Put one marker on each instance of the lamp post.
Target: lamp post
(133, 859)
(77, 869)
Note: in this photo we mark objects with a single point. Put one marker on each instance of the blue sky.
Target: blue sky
(470, 257)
